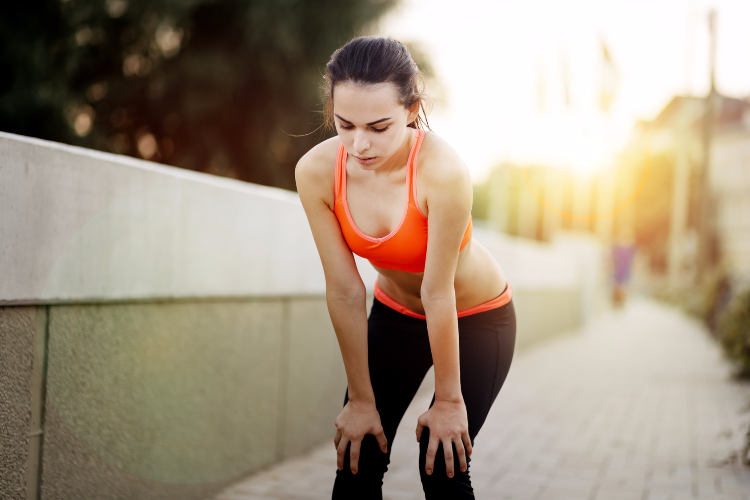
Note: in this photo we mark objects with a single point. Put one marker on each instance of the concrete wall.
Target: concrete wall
(188, 393)
(164, 332)
(83, 225)
(17, 326)
(164, 400)
(183, 318)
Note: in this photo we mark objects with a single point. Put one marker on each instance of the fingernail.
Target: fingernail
(354, 471)
(429, 471)
(450, 474)
(463, 469)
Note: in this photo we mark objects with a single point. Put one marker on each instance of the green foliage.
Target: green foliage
(479, 205)
(705, 301)
(711, 299)
(208, 85)
(733, 329)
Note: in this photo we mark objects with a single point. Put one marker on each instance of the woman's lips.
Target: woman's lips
(365, 161)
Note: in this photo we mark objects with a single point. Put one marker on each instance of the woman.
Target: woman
(378, 189)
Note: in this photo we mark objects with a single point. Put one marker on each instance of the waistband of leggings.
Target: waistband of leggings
(498, 301)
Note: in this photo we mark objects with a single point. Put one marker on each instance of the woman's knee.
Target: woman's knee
(367, 483)
(438, 485)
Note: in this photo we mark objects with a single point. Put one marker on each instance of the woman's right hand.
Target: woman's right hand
(354, 421)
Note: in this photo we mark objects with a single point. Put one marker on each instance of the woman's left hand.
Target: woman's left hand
(448, 425)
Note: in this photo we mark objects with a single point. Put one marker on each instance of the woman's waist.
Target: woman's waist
(407, 292)
(496, 304)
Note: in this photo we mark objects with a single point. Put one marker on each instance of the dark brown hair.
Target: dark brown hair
(368, 60)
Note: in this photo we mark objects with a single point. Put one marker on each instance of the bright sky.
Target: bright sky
(490, 56)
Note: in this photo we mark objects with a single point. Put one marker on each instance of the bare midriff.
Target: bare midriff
(478, 279)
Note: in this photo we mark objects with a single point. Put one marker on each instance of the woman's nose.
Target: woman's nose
(361, 143)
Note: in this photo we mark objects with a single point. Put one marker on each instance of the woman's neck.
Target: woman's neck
(398, 159)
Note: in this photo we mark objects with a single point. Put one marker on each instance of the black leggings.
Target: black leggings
(399, 356)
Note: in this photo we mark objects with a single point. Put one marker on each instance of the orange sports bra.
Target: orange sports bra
(405, 248)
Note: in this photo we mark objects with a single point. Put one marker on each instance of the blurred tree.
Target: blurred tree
(206, 85)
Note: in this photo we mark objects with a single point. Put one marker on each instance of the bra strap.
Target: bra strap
(418, 137)
(340, 166)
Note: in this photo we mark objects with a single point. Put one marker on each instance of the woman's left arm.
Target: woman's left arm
(449, 196)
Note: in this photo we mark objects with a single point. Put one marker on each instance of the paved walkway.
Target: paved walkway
(638, 406)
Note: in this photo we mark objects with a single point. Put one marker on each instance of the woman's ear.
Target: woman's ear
(413, 112)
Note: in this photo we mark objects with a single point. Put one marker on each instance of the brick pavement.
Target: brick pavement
(638, 405)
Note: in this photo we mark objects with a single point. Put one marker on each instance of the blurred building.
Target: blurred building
(709, 194)
(677, 201)
(730, 183)
(666, 155)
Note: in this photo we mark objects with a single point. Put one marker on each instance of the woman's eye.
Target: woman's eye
(349, 127)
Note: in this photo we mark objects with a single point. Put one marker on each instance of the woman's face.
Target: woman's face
(370, 121)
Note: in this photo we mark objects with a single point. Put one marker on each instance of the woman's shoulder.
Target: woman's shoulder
(317, 166)
(320, 157)
(439, 163)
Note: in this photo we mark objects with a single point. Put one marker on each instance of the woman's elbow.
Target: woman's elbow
(346, 292)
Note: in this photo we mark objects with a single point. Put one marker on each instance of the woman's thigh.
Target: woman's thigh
(486, 352)
(399, 357)
(486, 345)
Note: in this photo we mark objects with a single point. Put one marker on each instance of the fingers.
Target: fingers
(336, 439)
(432, 447)
(382, 441)
(448, 452)
(420, 428)
(354, 455)
(461, 452)
(340, 452)
(467, 443)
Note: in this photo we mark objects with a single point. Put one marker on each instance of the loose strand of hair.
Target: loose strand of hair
(304, 135)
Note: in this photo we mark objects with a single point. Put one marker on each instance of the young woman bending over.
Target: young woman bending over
(379, 189)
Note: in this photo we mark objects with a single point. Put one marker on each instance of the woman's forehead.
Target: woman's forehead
(365, 103)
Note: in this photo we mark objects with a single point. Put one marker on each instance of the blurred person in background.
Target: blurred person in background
(623, 251)
(377, 190)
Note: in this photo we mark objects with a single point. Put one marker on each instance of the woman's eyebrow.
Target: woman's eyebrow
(369, 124)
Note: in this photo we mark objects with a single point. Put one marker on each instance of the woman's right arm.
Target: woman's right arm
(346, 299)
